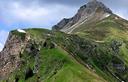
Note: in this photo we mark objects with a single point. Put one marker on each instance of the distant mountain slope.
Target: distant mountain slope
(94, 21)
(91, 12)
(106, 29)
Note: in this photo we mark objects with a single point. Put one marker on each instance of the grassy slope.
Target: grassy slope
(103, 33)
(72, 70)
(55, 65)
(106, 31)
(108, 28)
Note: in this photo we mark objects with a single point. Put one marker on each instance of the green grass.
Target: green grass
(18, 34)
(106, 28)
(67, 69)
(124, 53)
(58, 65)
(38, 34)
(71, 70)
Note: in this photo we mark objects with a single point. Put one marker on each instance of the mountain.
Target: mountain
(41, 55)
(92, 46)
(94, 21)
(91, 12)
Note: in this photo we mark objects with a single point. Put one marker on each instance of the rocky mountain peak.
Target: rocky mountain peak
(88, 12)
(91, 7)
(94, 4)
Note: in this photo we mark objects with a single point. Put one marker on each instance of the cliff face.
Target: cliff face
(91, 12)
(9, 57)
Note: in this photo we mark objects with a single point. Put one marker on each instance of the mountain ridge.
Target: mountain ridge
(92, 10)
(80, 49)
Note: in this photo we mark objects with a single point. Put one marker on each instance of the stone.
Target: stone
(84, 14)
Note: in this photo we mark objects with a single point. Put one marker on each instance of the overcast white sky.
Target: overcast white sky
(45, 13)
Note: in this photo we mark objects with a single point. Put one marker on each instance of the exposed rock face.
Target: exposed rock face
(115, 45)
(61, 24)
(9, 57)
(90, 12)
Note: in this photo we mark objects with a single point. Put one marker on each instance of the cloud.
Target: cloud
(34, 15)
(48, 2)
(45, 13)
(65, 2)
(3, 37)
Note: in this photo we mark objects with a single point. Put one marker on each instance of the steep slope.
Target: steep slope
(9, 57)
(108, 59)
(94, 21)
(107, 32)
(93, 48)
(104, 30)
(50, 56)
(42, 59)
(91, 12)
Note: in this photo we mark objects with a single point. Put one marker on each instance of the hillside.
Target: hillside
(92, 46)
(109, 33)
(92, 12)
(44, 59)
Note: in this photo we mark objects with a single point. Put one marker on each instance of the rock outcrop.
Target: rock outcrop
(92, 11)
(10, 56)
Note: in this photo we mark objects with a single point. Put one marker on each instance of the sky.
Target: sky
(15, 14)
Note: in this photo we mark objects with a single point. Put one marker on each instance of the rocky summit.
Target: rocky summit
(91, 12)
(92, 46)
